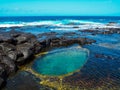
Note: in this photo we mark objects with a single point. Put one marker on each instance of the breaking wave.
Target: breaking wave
(61, 24)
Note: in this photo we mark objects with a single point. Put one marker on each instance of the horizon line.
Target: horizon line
(62, 16)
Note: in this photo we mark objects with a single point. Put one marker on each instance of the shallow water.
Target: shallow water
(61, 62)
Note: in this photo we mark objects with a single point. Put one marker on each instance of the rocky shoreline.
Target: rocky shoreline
(18, 48)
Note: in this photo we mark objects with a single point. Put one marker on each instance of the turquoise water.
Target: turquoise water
(61, 62)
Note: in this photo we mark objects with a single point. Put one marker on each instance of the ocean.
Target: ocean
(40, 24)
(99, 69)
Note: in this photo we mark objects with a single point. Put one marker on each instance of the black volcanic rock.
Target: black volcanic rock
(64, 41)
(6, 47)
(10, 63)
(102, 31)
(1, 82)
(17, 48)
(12, 55)
(2, 70)
(5, 38)
(24, 38)
(3, 74)
(25, 49)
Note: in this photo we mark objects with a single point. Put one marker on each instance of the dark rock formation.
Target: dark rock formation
(63, 41)
(102, 31)
(25, 81)
(1, 81)
(17, 48)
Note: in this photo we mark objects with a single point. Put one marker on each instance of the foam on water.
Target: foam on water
(60, 23)
(65, 25)
(21, 24)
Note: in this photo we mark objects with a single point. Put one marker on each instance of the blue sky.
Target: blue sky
(59, 7)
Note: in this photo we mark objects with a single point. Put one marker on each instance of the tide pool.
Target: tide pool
(61, 62)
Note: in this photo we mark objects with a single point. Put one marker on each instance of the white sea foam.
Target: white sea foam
(61, 24)
(64, 29)
(11, 25)
(83, 27)
(83, 22)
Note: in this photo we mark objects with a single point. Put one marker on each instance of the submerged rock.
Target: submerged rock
(17, 48)
(100, 71)
(25, 81)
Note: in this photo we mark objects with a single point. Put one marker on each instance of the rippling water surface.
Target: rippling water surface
(37, 25)
(61, 62)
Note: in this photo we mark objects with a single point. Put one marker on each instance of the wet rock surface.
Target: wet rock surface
(63, 40)
(101, 69)
(102, 31)
(25, 81)
(15, 48)
(18, 48)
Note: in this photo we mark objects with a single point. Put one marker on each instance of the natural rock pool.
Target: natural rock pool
(61, 62)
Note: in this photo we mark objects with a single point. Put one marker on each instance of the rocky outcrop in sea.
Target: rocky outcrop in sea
(18, 48)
